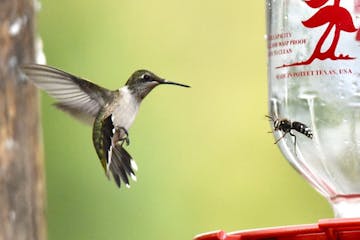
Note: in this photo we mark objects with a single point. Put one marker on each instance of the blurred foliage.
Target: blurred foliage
(205, 159)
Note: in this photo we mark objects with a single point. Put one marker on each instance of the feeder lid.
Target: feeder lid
(325, 229)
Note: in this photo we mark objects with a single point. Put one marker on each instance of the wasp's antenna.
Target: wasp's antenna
(270, 117)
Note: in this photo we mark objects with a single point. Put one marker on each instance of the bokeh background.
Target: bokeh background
(205, 159)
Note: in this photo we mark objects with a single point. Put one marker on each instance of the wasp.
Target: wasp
(285, 125)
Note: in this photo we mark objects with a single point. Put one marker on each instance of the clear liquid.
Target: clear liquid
(331, 160)
(324, 94)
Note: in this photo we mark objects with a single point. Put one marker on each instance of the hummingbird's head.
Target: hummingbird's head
(142, 82)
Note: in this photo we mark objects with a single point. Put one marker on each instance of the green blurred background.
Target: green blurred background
(205, 159)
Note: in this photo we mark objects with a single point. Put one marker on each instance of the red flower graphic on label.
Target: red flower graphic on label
(337, 18)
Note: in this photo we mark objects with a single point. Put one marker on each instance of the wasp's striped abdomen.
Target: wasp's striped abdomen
(302, 128)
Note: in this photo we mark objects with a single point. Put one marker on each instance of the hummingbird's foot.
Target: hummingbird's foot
(125, 138)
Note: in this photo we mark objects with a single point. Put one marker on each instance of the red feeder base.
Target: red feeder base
(325, 229)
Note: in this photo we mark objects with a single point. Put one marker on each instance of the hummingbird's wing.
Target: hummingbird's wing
(112, 154)
(76, 96)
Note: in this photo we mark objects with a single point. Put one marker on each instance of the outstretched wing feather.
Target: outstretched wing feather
(76, 96)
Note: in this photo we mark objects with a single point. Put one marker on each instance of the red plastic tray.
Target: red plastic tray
(326, 229)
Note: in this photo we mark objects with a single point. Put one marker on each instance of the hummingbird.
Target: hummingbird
(110, 112)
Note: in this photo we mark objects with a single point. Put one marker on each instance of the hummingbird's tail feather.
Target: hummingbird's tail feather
(119, 173)
(126, 159)
(120, 166)
(108, 141)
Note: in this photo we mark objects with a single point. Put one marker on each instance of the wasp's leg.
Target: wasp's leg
(294, 141)
(280, 138)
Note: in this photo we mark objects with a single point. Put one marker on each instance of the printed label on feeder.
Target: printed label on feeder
(282, 44)
(314, 38)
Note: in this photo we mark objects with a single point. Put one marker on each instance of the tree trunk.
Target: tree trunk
(22, 189)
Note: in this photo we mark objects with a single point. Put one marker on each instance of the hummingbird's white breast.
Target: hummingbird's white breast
(125, 109)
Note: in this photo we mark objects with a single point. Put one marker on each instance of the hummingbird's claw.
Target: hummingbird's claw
(125, 138)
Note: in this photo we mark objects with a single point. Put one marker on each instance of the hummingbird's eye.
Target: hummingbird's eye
(146, 77)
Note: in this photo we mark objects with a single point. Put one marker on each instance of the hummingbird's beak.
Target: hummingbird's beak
(164, 81)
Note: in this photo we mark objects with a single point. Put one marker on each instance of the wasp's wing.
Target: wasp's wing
(76, 96)
(113, 156)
